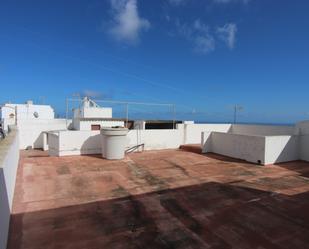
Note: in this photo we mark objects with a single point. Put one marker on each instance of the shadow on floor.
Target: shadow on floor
(210, 215)
(301, 167)
(228, 159)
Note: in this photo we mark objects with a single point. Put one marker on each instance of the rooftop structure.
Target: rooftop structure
(10, 114)
(90, 109)
(91, 116)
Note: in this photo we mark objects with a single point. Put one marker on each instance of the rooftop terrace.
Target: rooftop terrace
(158, 199)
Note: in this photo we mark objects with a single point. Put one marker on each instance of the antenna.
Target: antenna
(237, 108)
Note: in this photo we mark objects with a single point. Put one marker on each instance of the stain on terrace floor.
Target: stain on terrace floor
(158, 199)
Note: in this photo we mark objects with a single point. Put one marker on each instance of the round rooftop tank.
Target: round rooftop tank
(114, 142)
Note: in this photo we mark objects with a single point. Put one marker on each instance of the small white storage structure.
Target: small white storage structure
(90, 116)
(114, 142)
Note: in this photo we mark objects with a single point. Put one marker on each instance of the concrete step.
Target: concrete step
(195, 148)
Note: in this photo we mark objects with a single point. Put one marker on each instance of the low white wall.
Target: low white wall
(266, 149)
(206, 141)
(304, 147)
(303, 130)
(281, 149)
(64, 143)
(31, 131)
(192, 132)
(67, 143)
(53, 143)
(245, 147)
(156, 139)
(217, 138)
(262, 130)
(9, 157)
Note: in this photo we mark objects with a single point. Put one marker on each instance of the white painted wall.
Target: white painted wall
(281, 149)
(98, 112)
(304, 147)
(10, 160)
(193, 132)
(53, 143)
(67, 143)
(31, 131)
(245, 147)
(9, 157)
(206, 141)
(252, 148)
(156, 139)
(274, 149)
(9, 113)
(303, 130)
(85, 125)
(64, 143)
(76, 124)
(4, 212)
(90, 109)
(26, 111)
(262, 130)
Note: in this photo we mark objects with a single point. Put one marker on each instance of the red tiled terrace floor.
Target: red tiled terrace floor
(158, 199)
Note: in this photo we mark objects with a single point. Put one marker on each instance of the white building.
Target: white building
(91, 116)
(13, 113)
(32, 121)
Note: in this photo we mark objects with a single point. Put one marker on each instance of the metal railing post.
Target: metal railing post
(174, 116)
(127, 115)
(66, 114)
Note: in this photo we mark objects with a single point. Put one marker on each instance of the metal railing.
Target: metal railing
(126, 105)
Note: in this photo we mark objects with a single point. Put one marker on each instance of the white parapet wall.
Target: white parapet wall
(155, 139)
(9, 157)
(68, 143)
(192, 132)
(253, 143)
(280, 143)
(281, 149)
(31, 131)
(303, 130)
(245, 147)
(304, 147)
(262, 130)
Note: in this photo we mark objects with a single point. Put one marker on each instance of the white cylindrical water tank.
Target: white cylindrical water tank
(113, 142)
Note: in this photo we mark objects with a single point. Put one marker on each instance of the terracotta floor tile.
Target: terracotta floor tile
(158, 199)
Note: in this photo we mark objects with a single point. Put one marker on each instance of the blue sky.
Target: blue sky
(204, 56)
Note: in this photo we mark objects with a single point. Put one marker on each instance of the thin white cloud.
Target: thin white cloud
(201, 27)
(127, 24)
(227, 33)
(204, 44)
(199, 35)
